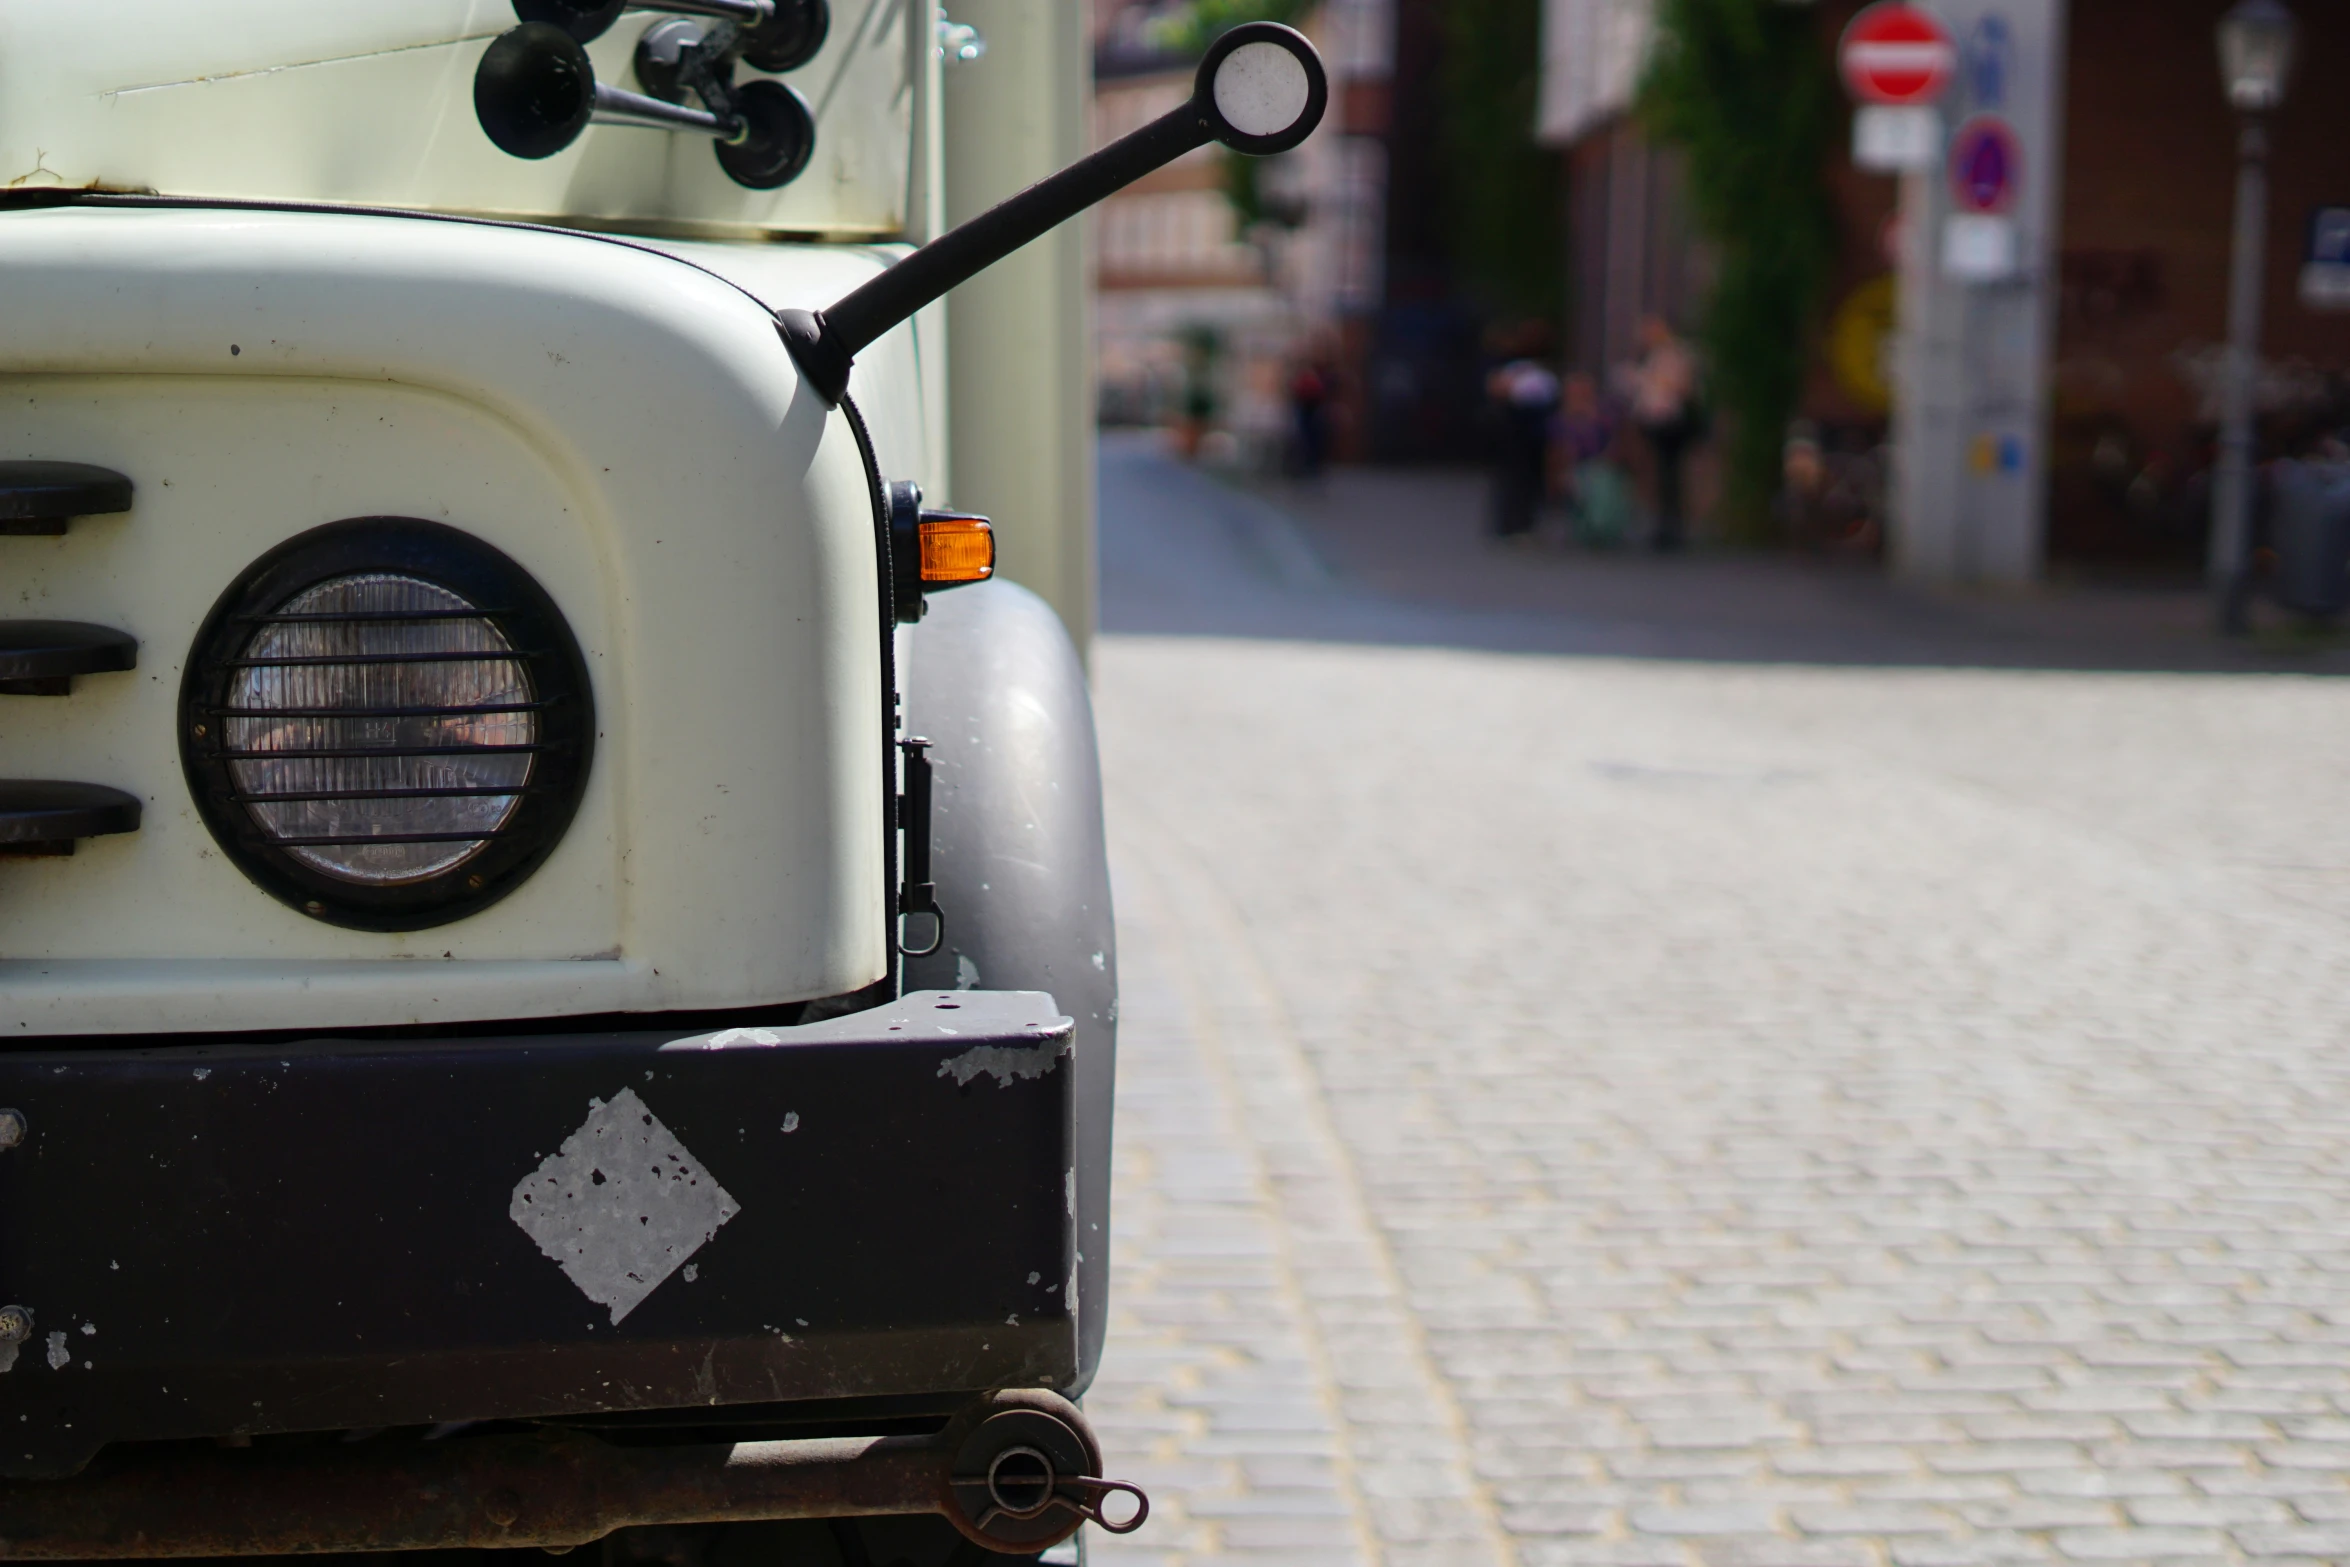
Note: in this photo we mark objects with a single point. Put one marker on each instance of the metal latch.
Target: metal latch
(918, 896)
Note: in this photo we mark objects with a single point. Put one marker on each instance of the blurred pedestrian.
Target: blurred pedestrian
(1663, 382)
(1524, 393)
(1201, 349)
(1802, 501)
(1585, 440)
(1309, 410)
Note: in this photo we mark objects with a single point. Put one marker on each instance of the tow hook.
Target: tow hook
(1026, 1478)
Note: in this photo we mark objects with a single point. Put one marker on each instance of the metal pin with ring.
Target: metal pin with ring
(1046, 1485)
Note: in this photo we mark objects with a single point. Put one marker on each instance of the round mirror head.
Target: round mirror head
(1261, 88)
(534, 90)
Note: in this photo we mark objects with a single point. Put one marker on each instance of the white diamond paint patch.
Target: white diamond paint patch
(621, 1205)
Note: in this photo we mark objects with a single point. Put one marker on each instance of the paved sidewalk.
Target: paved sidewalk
(1599, 1109)
(1270, 1386)
(1402, 555)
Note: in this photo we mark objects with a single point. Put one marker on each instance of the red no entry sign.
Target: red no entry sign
(1898, 55)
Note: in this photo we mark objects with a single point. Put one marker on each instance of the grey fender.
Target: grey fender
(1022, 872)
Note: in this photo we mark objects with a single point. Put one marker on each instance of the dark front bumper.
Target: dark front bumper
(237, 1239)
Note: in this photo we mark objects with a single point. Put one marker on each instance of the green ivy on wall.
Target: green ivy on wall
(1505, 193)
(1189, 29)
(1747, 90)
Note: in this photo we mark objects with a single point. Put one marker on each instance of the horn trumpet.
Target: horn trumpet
(777, 35)
(535, 91)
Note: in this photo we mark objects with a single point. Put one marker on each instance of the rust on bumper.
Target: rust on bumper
(1015, 1472)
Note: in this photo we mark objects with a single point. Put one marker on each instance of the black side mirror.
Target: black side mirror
(1261, 89)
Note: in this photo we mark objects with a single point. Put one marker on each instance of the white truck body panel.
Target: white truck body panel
(626, 425)
(370, 103)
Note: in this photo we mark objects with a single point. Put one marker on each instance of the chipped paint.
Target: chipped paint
(966, 972)
(1007, 1064)
(743, 1036)
(621, 1205)
(791, 1121)
(59, 1356)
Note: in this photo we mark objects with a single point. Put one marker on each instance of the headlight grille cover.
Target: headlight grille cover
(382, 728)
(386, 723)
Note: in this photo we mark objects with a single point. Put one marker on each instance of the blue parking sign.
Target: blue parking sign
(1988, 50)
(2329, 236)
(2325, 271)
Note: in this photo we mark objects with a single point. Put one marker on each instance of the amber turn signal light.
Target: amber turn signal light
(956, 549)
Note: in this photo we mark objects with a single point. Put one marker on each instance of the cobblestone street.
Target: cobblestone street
(1711, 1069)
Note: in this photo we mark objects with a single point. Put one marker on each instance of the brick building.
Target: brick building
(2143, 268)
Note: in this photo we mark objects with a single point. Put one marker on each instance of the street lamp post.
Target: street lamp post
(2256, 45)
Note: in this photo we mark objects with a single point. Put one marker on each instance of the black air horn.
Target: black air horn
(535, 90)
(1260, 90)
(777, 35)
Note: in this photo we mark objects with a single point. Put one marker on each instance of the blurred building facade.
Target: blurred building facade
(1214, 284)
(2061, 410)
(1629, 250)
(2138, 280)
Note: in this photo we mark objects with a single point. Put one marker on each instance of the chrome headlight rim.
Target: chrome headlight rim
(509, 600)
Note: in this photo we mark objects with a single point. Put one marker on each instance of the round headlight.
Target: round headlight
(386, 723)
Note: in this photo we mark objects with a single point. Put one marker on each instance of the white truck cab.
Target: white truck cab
(539, 994)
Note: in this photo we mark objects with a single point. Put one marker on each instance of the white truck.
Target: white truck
(543, 1001)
